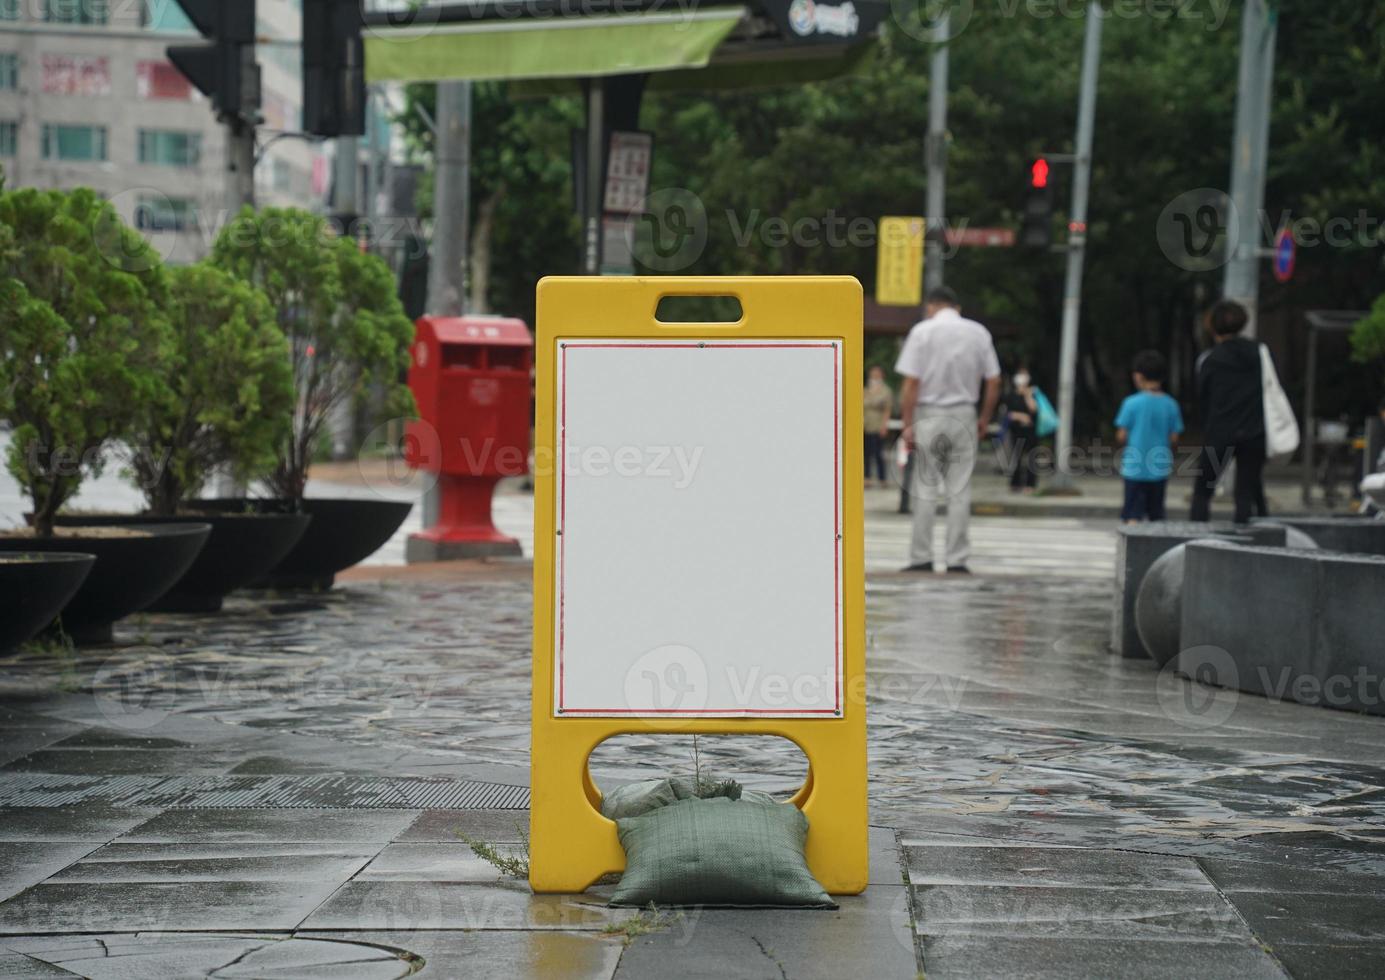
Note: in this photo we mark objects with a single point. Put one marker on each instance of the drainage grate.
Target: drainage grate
(42, 789)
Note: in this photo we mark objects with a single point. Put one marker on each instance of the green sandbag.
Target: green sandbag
(639, 798)
(718, 852)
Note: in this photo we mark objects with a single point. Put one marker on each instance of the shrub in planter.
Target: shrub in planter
(338, 306)
(349, 340)
(228, 400)
(83, 341)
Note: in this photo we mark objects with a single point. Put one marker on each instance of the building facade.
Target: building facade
(89, 98)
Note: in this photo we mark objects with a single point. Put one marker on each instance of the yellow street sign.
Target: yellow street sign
(899, 262)
(677, 587)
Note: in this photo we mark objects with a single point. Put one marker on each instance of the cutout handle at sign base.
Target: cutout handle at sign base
(698, 559)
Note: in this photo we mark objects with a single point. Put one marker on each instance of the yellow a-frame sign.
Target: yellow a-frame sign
(698, 547)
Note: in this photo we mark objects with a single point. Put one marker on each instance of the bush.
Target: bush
(1368, 335)
(83, 337)
(347, 331)
(229, 395)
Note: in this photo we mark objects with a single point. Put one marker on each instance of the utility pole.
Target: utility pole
(451, 179)
(935, 156)
(1077, 243)
(1249, 149)
(240, 164)
(451, 221)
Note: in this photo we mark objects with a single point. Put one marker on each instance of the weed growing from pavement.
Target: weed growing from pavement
(54, 642)
(642, 923)
(510, 865)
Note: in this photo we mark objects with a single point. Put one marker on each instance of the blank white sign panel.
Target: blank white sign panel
(698, 553)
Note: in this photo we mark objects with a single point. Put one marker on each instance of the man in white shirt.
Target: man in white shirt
(946, 361)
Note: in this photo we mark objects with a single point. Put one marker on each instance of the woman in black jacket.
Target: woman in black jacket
(1233, 415)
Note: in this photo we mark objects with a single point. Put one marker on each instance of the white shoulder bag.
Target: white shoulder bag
(1281, 427)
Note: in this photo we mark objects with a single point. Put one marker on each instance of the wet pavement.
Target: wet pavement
(282, 790)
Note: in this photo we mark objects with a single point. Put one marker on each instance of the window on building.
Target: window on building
(9, 9)
(169, 147)
(9, 71)
(160, 80)
(76, 11)
(9, 138)
(159, 213)
(74, 142)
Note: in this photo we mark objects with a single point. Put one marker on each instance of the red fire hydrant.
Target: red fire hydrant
(470, 377)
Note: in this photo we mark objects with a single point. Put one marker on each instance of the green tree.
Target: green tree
(229, 396)
(83, 338)
(523, 225)
(337, 305)
(1368, 335)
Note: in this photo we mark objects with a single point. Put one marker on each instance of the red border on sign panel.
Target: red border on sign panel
(836, 525)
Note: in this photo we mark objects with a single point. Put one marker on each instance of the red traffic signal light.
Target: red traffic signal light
(1038, 173)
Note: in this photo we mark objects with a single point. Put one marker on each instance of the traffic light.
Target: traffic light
(1037, 228)
(333, 68)
(224, 70)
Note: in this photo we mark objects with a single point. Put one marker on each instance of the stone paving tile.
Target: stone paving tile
(886, 862)
(138, 957)
(218, 862)
(966, 958)
(449, 826)
(535, 955)
(433, 862)
(410, 905)
(25, 864)
(1311, 919)
(120, 761)
(1337, 962)
(1277, 877)
(1079, 913)
(1023, 867)
(97, 824)
(88, 906)
(17, 966)
(867, 937)
(271, 826)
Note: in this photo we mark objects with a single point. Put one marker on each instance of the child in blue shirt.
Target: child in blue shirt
(1147, 428)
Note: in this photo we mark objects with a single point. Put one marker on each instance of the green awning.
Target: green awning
(577, 47)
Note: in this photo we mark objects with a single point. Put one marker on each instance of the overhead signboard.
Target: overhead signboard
(899, 262)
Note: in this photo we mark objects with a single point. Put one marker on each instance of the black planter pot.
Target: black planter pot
(33, 591)
(129, 574)
(343, 532)
(243, 546)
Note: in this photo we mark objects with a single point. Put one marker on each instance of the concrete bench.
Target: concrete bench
(1305, 626)
(1355, 535)
(1139, 545)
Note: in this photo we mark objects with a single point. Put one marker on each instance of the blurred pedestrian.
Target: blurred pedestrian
(1147, 429)
(1021, 413)
(879, 405)
(946, 362)
(1231, 400)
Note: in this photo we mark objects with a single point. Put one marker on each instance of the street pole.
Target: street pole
(451, 166)
(451, 221)
(240, 164)
(935, 156)
(1249, 149)
(1077, 242)
(240, 191)
(595, 189)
